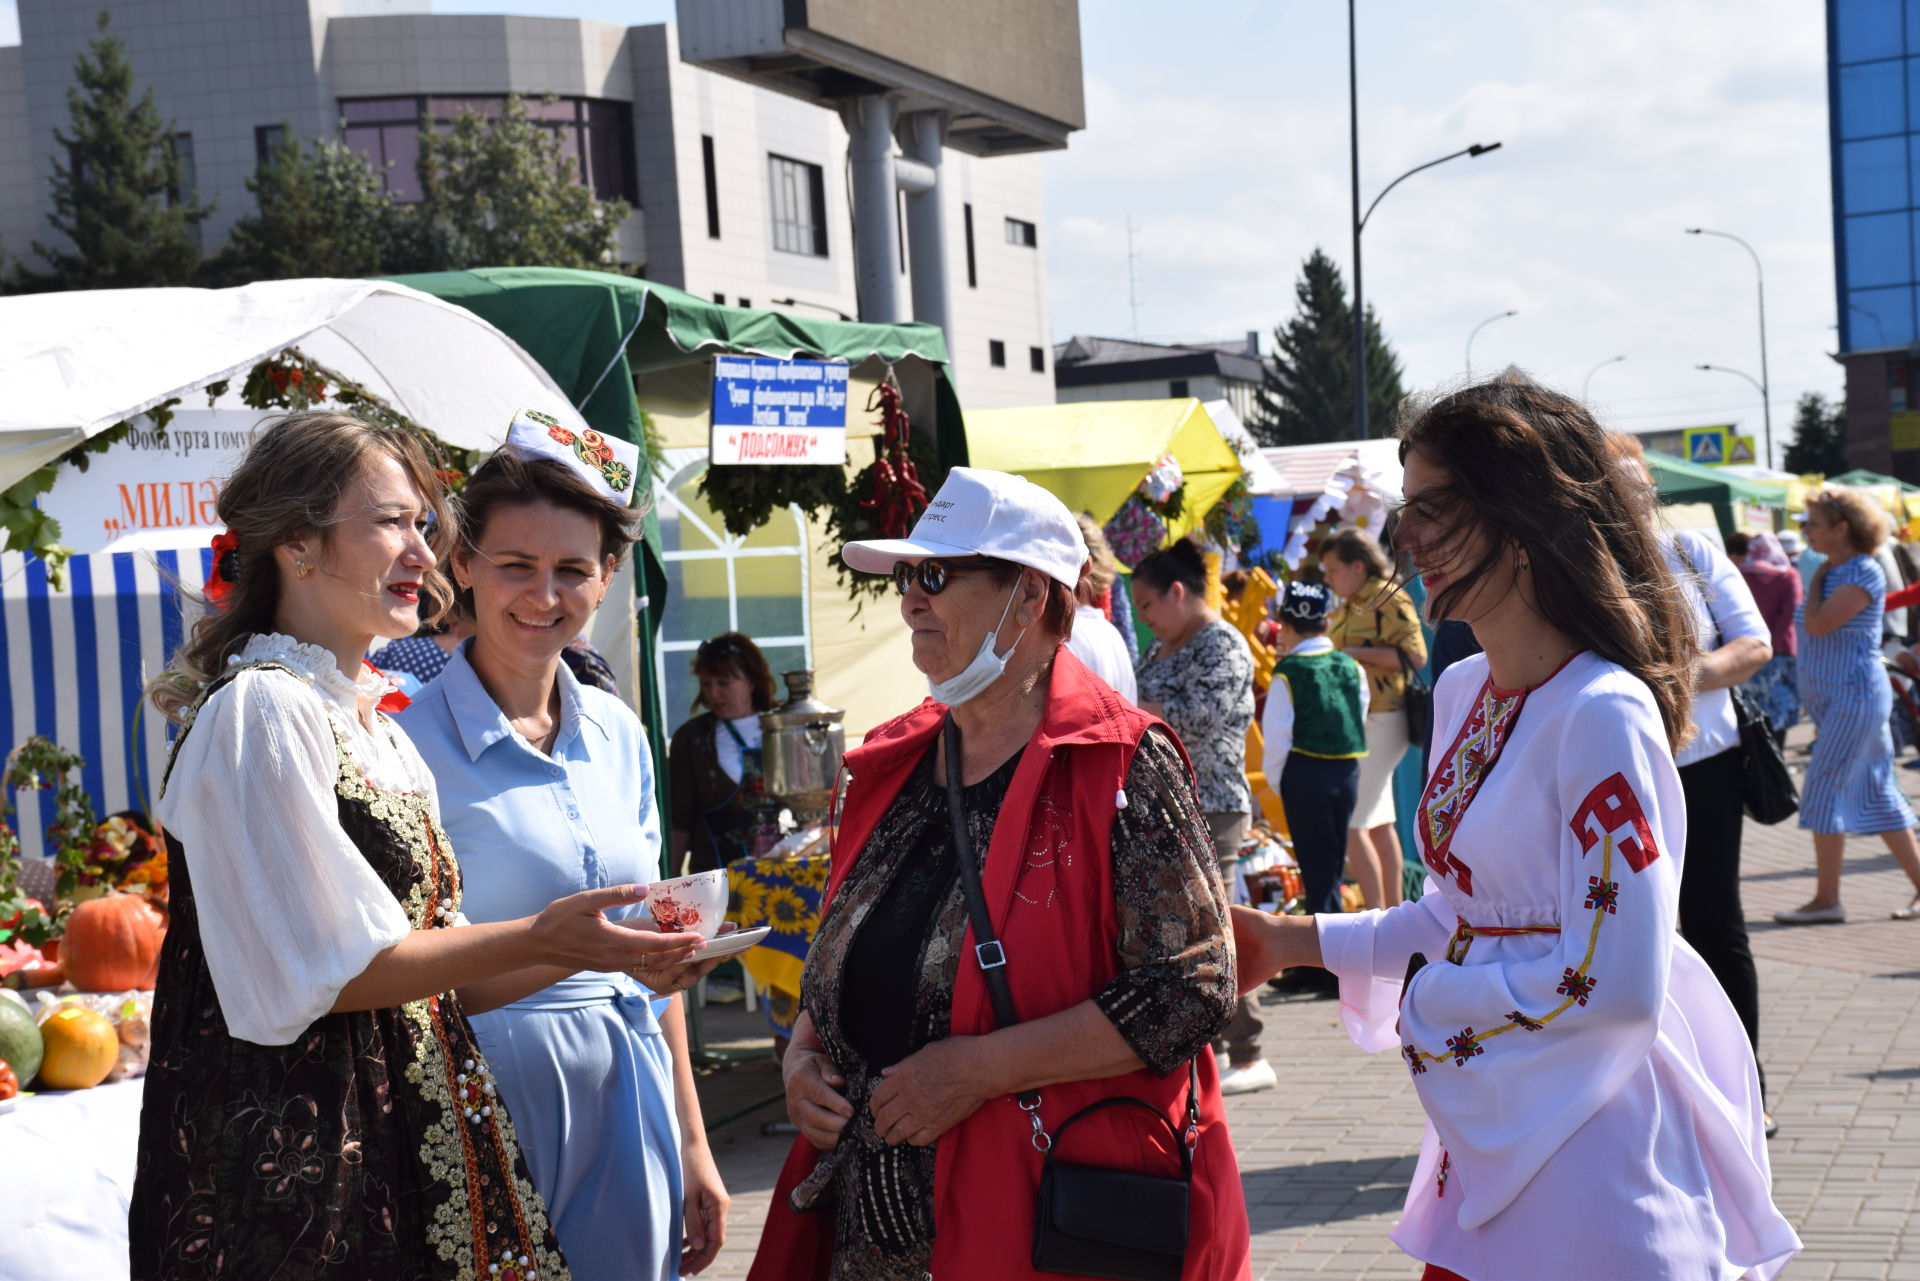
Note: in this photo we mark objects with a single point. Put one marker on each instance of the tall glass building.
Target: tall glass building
(1873, 86)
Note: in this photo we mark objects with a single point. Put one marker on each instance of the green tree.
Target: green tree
(504, 193)
(1819, 437)
(1308, 393)
(118, 199)
(321, 211)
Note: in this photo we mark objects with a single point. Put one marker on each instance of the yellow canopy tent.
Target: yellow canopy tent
(1094, 453)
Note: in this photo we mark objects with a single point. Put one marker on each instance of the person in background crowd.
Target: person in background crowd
(1378, 626)
(1095, 641)
(1807, 560)
(721, 809)
(310, 1023)
(424, 655)
(1197, 676)
(1314, 732)
(1777, 591)
(547, 784)
(1850, 786)
(1594, 1114)
(1099, 879)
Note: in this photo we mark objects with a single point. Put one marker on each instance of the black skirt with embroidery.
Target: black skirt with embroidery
(371, 1146)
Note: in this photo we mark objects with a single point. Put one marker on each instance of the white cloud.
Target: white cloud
(1622, 124)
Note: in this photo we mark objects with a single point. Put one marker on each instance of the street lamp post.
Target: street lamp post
(1476, 333)
(1760, 275)
(1757, 386)
(1588, 383)
(802, 302)
(1360, 220)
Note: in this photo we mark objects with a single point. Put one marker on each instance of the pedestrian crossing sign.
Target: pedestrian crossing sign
(1740, 450)
(1706, 445)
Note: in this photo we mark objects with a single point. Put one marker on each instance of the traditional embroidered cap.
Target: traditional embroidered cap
(608, 463)
(1305, 601)
(984, 513)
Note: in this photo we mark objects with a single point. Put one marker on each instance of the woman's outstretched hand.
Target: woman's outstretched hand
(1265, 944)
(814, 1101)
(573, 932)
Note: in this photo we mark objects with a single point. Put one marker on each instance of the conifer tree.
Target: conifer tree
(1308, 393)
(118, 198)
(1819, 437)
(320, 211)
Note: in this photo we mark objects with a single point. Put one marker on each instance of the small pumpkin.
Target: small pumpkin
(9, 1083)
(80, 1046)
(112, 944)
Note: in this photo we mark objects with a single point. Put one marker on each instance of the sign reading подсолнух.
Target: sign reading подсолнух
(772, 412)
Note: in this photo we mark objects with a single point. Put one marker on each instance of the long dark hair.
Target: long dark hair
(289, 484)
(1529, 466)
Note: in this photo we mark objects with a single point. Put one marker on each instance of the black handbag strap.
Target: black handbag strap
(992, 959)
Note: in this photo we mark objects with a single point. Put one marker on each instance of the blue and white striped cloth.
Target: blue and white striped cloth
(1850, 785)
(75, 662)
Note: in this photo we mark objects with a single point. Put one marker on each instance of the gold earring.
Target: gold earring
(300, 569)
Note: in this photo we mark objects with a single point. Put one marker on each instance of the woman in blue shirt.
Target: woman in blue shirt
(546, 785)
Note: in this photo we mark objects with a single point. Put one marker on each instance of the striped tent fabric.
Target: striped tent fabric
(76, 660)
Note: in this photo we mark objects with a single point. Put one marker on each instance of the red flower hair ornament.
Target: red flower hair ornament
(226, 568)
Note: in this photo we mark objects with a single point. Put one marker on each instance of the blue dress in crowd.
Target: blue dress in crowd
(1850, 785)
(583, 1065)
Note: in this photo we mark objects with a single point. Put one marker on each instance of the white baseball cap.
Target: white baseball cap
(984, 513)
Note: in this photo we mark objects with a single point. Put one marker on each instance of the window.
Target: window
(266, 139)
(188, 184)
(713, 186)
(743, 302)
(720, 299)
(1037, 359)
(1022, 233)
(996, 353)
(1177, 388)
(799, 206)
(595, 134)
(973, 272)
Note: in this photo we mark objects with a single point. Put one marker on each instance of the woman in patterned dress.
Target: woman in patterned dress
(1593, 1108)
(1850, 783)
(316, 1105)
(1098, 875)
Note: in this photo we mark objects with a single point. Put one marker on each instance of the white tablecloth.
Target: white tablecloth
(66, 1174)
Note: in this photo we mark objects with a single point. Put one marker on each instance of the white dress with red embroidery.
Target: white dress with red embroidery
(1593, 1107)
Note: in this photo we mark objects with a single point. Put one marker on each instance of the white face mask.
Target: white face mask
(985, 668)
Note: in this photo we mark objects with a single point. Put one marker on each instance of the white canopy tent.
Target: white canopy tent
(74, 364)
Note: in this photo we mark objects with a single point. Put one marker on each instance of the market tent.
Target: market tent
(74, 364)
(1094, 453)
(1357, 480)
(1861, 478)
(1680, 482)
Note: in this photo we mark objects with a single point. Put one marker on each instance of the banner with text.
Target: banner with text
(778, 412)
(152, 489)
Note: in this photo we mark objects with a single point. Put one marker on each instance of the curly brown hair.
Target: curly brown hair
(1866, 527)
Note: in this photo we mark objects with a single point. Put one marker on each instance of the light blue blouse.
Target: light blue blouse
(582, 1065)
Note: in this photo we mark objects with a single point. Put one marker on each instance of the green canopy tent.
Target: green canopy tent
(1860, 476)
(600, 336)
(1679, 482)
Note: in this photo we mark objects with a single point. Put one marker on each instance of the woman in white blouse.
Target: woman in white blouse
(1593, 1108)
(316, 1105)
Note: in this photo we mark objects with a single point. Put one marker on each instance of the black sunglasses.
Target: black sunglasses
(932, 575)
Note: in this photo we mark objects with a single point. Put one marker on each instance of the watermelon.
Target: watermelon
(20, 1044)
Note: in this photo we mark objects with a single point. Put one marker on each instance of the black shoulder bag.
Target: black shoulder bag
(1418, 699)
(1091, 1221)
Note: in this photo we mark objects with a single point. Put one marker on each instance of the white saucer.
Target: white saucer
(731, 944)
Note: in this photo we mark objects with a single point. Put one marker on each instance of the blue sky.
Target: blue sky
(1223, 136)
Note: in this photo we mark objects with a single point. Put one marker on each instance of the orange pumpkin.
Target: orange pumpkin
(81, 1048)
(9, 1083)
(113, 943)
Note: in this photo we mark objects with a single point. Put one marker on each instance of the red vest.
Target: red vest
(1049, 889)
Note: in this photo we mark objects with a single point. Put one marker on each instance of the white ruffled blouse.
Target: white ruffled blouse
(290, 911)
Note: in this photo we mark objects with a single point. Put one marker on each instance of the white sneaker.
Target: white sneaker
(1257, 1075)
(1835, 915)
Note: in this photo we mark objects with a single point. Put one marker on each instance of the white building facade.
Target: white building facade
(739, 193)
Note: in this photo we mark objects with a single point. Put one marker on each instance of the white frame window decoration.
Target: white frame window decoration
(730, 550)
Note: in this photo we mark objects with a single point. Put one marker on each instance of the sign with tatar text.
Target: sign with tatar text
(778, 412)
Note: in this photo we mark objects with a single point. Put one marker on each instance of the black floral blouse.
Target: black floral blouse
(1205, 691)
(880, 975)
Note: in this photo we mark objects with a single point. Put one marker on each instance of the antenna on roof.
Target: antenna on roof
(1133, 282)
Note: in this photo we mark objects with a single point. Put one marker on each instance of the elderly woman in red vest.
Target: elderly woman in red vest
(918, 1104)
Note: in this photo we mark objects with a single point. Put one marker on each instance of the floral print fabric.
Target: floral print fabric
(1205, 692)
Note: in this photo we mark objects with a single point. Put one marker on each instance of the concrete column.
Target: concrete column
(876, 232)
(927, 222)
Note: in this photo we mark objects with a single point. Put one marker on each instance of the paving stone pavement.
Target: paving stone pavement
(1326, 1157)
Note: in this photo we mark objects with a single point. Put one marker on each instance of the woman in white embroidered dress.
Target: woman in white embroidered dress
(316, 1105)
(1593, 1109)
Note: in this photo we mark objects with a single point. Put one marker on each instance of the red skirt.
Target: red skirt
(1435, 1272)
